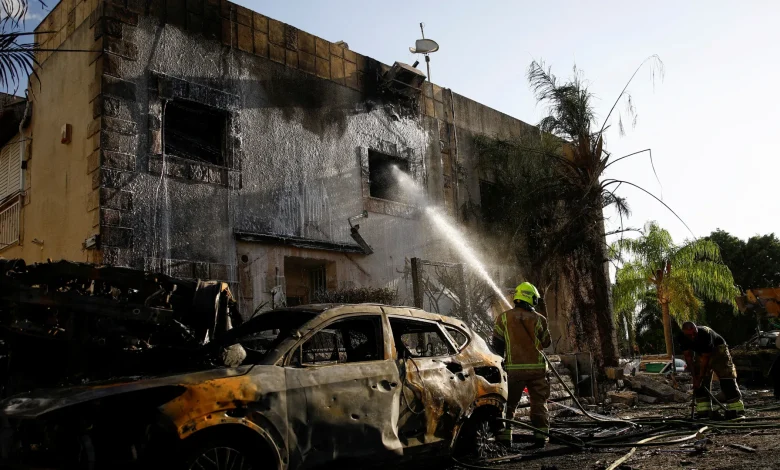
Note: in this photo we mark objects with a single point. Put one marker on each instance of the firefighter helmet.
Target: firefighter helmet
(527, 293)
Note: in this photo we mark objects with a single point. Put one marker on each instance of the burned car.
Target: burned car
(290, 388)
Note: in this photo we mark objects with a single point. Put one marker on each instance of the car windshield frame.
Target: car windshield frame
(298, 319)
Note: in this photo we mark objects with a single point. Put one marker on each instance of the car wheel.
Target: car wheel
(220, 454)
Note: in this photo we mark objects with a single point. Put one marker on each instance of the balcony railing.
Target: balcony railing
(9, 225)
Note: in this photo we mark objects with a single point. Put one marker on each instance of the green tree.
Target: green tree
(755, 263)
(681, 276)
(551, 180)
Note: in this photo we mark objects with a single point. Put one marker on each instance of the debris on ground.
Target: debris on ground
(652, 386)
(625, 398)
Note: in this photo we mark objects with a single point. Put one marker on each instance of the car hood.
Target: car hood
(39, 402)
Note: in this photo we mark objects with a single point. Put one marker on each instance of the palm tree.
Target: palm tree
(681, 276)
(552, 181)
(17, 55)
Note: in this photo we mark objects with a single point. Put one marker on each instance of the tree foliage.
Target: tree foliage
(550, 184)
(17, 55)
(680, 276)
(755, 263)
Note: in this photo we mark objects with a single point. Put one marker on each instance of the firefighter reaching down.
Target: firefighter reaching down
(712, 355)
(519, 335)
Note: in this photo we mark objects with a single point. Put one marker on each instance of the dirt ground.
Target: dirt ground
(718, 454)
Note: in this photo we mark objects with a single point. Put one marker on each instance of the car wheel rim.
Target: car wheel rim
(485, 442)
(221, 458)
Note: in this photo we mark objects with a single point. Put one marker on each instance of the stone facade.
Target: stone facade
(296, 120)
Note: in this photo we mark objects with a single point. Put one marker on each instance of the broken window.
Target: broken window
(458, 337)
(383, 183)
(414, 338)
(195, 131)
(351, 340)
(264, 332)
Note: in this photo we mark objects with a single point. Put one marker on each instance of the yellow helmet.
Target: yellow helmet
(527, 293)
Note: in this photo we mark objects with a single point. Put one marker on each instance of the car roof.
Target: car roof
(336, 309)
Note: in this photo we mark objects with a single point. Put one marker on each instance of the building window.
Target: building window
(304, 279)
(383, 183)
(10, 168)
(195, 132)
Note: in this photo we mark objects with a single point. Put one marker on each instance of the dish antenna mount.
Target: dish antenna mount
(425, 46)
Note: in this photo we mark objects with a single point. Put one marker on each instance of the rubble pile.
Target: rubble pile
(654, 389)
(69, 323)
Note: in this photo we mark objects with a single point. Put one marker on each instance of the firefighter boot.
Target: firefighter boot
(504, 435)
(735, 409)
(540, 439)
(703, 408)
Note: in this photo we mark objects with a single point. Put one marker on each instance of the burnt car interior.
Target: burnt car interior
(414, 338)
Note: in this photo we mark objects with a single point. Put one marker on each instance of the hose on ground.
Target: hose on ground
(583, 445)
(577, 402)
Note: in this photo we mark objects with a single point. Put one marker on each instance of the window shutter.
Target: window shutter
(14, 167)
(4, 161)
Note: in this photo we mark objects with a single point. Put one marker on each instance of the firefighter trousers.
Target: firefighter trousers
(538, 392)
(722, 365)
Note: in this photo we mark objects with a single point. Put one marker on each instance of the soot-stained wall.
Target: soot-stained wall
(296, 152)
(300, 118)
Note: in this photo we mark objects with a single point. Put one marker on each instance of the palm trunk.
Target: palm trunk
(667, 319)
(602, 298)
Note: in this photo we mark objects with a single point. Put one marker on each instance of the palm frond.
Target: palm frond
(16, 59)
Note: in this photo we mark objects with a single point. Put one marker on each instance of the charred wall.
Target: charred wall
(300, 116)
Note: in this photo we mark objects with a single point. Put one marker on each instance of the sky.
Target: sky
(709, 120)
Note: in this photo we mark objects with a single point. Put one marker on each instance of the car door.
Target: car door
(437, 389)
(343, 388)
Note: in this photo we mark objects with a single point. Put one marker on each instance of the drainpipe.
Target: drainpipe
(456, 156)
(22, 140)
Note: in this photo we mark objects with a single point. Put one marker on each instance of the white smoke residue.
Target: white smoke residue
(446, 229)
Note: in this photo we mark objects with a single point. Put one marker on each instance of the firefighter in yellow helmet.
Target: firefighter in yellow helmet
(519, 335)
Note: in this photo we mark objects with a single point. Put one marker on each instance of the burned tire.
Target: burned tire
(477, 439)
(220, 453)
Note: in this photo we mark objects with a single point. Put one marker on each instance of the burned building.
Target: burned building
(206, 141)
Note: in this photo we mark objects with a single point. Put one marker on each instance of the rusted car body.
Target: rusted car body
(301, 387)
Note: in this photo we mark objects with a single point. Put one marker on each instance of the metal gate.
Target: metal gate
(450, 289)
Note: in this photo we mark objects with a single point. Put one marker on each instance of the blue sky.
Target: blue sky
(710, 122)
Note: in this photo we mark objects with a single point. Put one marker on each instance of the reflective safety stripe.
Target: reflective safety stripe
(703, 405)
(524, 366)
(736, 406)
(505, 434)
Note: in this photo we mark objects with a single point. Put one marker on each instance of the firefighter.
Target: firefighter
(712, 354)
(519, 335)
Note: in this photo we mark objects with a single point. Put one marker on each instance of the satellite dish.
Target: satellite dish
(424, 46)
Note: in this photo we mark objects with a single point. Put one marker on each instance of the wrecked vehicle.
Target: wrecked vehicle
(296, 388)
(66, 323)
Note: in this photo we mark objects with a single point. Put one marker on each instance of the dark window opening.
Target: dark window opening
(305, 278)
(419, 339)
(491, 201)
(345, 341)
(383, 181)
(195, 132)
